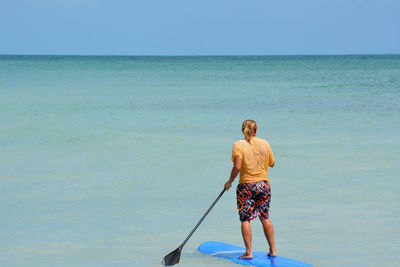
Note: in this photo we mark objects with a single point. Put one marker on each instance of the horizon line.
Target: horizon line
(198, 55)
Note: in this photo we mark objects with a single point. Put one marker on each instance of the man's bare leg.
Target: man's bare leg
(269, 234)
(247, 236)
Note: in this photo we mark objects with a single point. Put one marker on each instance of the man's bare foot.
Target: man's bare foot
(246, 256)
(271, 253)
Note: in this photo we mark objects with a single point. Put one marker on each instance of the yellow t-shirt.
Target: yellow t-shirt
(256, 157)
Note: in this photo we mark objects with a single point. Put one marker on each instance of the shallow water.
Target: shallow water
(113, 160)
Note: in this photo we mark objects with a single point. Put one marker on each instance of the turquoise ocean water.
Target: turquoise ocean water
(111, 161)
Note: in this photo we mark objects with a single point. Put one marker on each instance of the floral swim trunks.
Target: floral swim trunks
(253, 199)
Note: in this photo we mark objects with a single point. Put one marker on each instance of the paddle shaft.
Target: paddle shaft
(202, 218)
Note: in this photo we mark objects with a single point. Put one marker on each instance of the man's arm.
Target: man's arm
(237, 164)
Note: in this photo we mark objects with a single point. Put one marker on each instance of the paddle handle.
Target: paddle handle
(202, 218)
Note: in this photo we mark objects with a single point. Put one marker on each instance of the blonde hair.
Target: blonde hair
(249, 128)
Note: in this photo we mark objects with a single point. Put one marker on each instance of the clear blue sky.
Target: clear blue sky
(199, 27)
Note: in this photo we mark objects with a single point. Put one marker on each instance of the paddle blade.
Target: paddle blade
(172, 258)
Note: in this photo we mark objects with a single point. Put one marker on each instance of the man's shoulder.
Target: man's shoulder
(261, 141)
(239, 143)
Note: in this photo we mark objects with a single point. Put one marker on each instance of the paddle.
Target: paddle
(173, 257)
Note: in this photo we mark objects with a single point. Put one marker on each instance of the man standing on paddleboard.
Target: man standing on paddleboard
(251, 158)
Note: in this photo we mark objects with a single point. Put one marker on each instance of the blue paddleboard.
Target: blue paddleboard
(231, 252)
